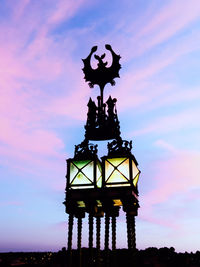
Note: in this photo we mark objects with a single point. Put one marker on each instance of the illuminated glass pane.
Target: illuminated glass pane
(81, 163)
(98, 175)
(116, 185)
(135, 181)
(99, 182)
(99, 204)
(73, 171)
(99, 166)
(108, 169)
(117, 202)
(116, 177)
(134, 169)
(124, 168)
(82, 187)
(116, 161)
(80, 179)
(81, 204)
(88, 170)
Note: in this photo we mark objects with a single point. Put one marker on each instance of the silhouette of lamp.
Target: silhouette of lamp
(84, 176)
(95, 186)
(120, 178)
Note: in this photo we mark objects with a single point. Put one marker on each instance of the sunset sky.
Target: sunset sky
(43, 109)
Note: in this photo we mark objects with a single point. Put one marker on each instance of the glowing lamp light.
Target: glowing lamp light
(83, 174)
(120, 171)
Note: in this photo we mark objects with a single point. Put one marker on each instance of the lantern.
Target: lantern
(120, 166)
(84, 170)
(82, 174)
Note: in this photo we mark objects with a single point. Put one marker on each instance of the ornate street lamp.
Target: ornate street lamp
(96, 186)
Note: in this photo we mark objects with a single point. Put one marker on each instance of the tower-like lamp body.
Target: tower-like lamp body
(120, 175)
(84, 178)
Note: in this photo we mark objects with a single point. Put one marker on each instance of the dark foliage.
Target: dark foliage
(150, 257)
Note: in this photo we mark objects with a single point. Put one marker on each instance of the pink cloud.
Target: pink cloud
(169, 123)
(141, 84)
(11, 203)
(172, 18)
(174, 180)
(177, 175)
(64, 10)
(31, 59)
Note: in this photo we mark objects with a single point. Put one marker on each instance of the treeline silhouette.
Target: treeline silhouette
(150, 257)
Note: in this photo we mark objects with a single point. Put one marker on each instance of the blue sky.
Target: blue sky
(43, 109)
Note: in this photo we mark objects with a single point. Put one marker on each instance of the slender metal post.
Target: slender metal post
(90, 231)
(90, 241)
(113, 240)
(98, 240)
(113, 233)
(133, 239)
(130, 219)
(70, 232)
(107, 222)
(79, 237)
(128, 230)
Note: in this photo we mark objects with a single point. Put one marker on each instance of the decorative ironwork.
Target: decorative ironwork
(85, 150)
(102, 75)
(119, 147)
(102, 124)
(102, 121)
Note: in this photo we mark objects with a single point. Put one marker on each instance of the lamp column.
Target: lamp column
(107, 224)
(91, 227)
(70, 232)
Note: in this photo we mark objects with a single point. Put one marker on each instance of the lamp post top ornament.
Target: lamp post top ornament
(102, 74)
(102, 121)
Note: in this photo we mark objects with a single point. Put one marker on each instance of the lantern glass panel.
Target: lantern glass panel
(108, 169)
(134, 169)
(98, 174)
(124, 168)
(88, 171)
(80, 179)
(135, 180)
(81, 163)
(82, 173)
(73, 171)
(117, 172)
(116, 177)
(116, 161)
